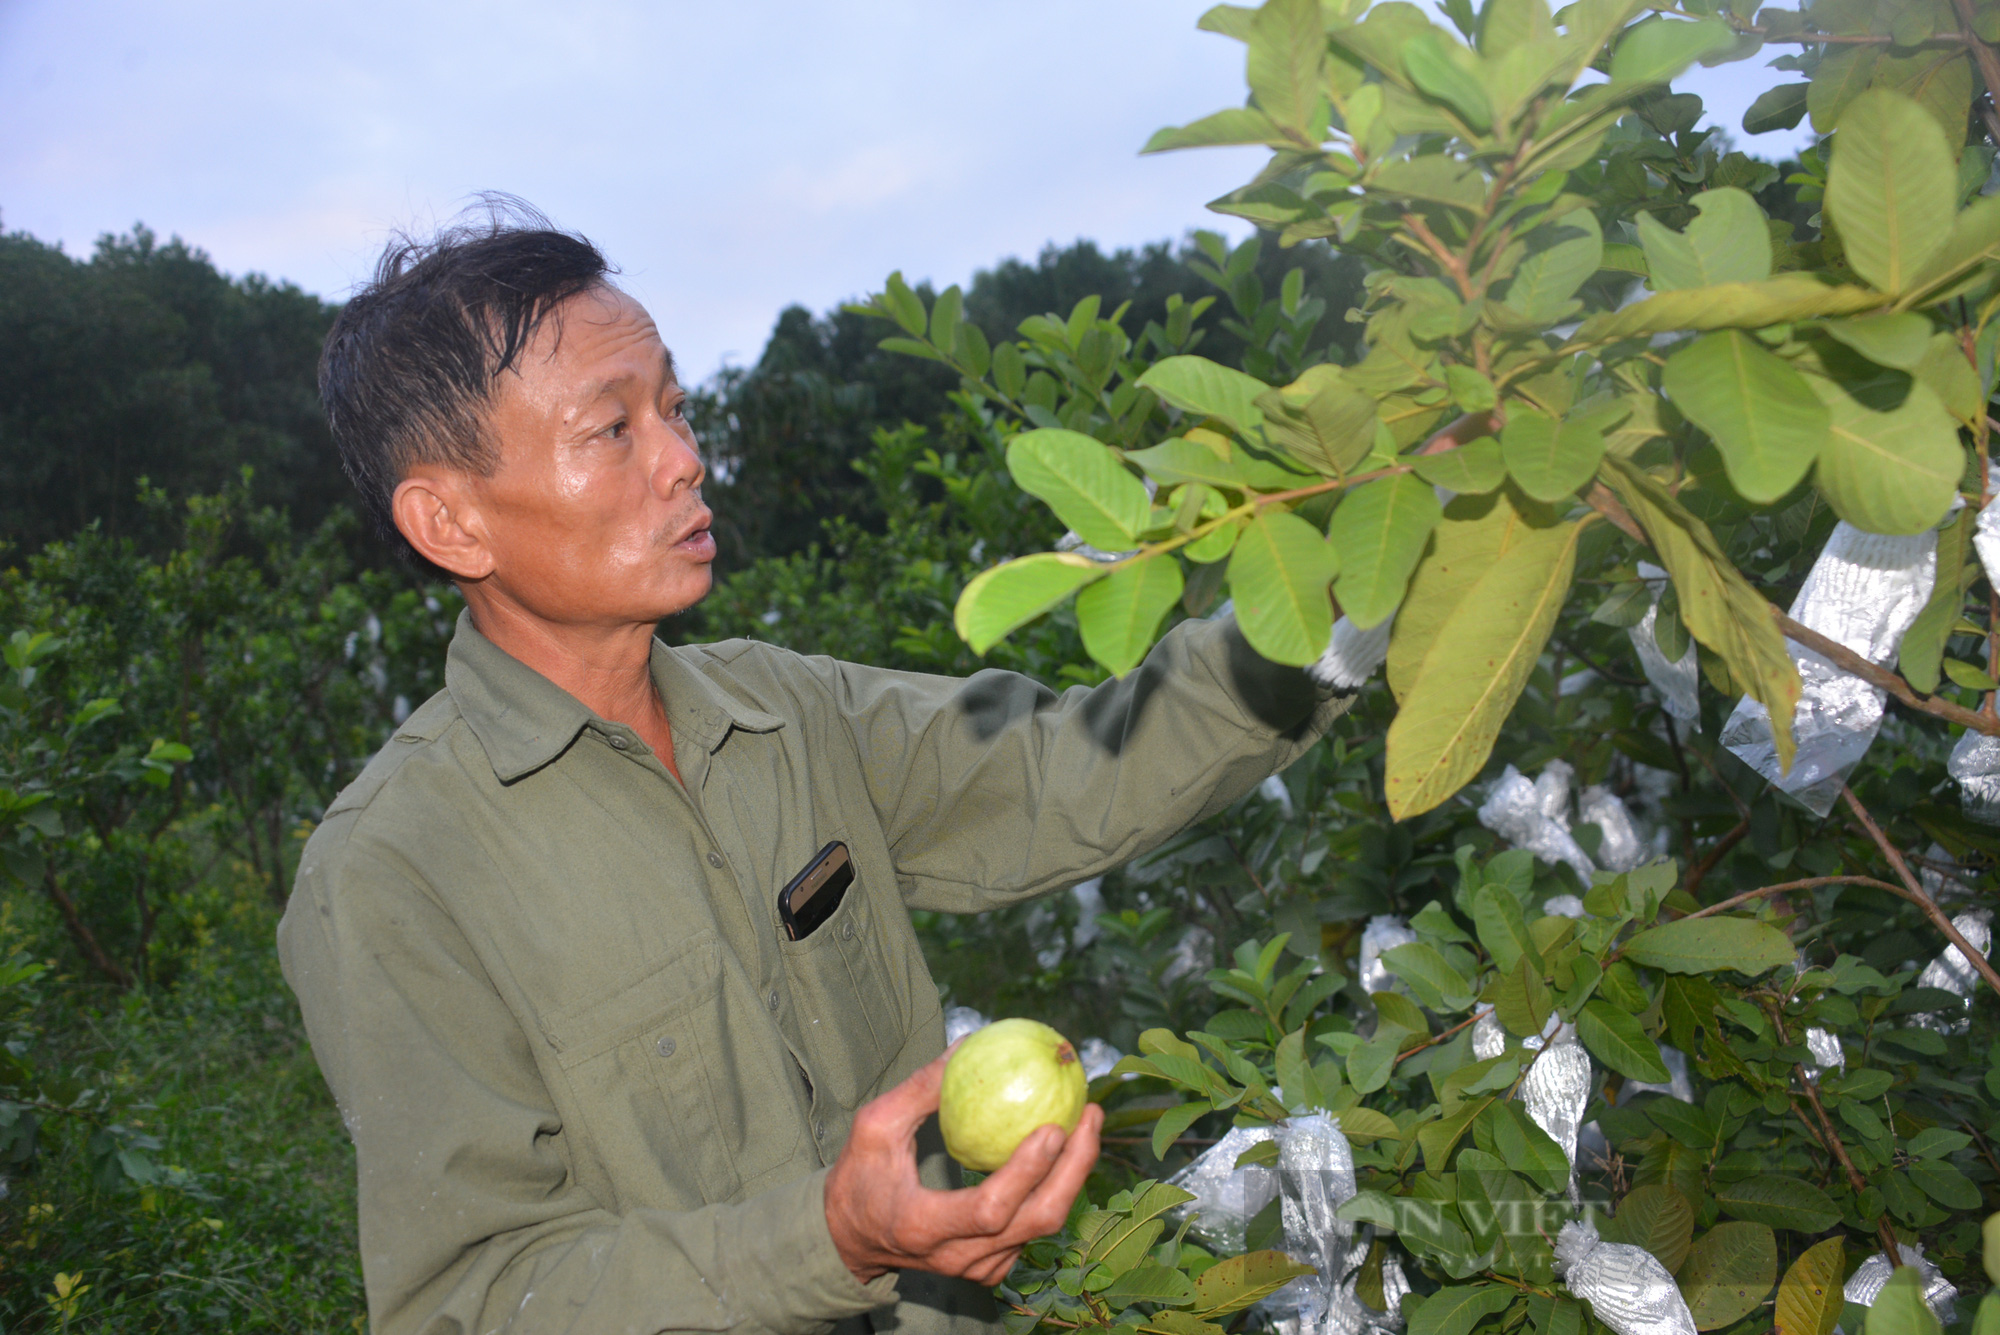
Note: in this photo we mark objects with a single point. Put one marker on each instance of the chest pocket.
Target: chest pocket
(853, 1020)
(680, 1067)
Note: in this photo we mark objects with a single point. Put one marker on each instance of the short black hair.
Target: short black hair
(409, 365)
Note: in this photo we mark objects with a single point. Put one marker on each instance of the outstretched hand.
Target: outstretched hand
(882, 1218)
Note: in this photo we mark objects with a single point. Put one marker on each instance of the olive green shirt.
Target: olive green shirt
(591, 1087)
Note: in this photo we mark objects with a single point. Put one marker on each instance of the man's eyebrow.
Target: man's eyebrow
(603, 387)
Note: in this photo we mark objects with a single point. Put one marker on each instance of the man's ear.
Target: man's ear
(435, 511)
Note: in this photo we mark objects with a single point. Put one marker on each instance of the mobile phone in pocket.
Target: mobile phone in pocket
(810, 898)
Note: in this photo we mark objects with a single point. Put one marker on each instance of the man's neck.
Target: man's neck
(609, 669)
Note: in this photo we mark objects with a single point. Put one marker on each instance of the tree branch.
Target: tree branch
(1913, 890)
(1600, 499)
(79, 931)
(1831, 1139)
(1844, 658)
(1810, 883)
(1716, 854)
(1828, 1137)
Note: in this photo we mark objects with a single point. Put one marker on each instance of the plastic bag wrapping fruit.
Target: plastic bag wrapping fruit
(1865, 1284)
(1864, 591)
(1975, 764)
(1564, 906)
(1489, 1040)
(1316, 1178)
(1824, 1045)
(1678, 681)
(1385, 931)
(1555, 1091)
(1621, 849)
(1226, 1198)
(1626, 1286)
(1535, 816)
(1347, 1313)
(1954, 973)
(1353, 655)
(1986, 529)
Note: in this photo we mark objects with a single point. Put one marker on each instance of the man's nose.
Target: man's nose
(679, 466)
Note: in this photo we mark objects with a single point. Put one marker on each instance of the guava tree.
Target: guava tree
(1600, 385)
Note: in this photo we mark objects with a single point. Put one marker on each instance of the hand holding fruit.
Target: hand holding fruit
(882, 1218)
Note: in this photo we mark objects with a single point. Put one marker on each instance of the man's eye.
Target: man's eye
(618, 429)
(677, 411)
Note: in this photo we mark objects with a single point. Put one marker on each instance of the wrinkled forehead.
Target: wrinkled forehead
(592, 344)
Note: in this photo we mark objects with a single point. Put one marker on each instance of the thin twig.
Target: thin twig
(1735, 799)
(1983, 57)
(1831, 1139)
(1431, 1043)
(1914, 891)
(1453, 264)
(1147, 1140)
(1715, 855)
(1244, 863)
(1617, 678)
(1687, 782)
(1844, 658)
(1854, 39)
(1765, 891)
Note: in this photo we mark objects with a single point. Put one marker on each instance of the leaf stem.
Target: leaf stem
(1453, 264)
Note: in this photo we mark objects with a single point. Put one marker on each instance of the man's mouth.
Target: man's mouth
(697, 541)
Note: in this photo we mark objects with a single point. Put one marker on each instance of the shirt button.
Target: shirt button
(714, 859)
(666, 1047)
(774, 1001)
(847, 931)
(619, 742)
(819, 1131)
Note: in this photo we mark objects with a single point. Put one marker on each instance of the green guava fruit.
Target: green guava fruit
(1003, 1083)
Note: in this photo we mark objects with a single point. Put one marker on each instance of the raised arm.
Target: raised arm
(994, 787)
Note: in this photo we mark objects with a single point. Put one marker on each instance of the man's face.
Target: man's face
(594, 514)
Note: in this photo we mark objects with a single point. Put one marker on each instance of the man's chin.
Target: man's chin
(697, 585)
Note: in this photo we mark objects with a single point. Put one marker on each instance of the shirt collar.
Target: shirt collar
(697, 707)
(524, 720)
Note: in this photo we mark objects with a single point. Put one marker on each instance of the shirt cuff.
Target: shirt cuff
(804, 1281)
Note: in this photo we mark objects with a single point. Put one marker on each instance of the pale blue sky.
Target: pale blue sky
(732, 157)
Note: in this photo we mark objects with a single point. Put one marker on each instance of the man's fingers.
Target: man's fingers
(899, 1112)
(992, 1269)
(1047, 1206)
(994, 1202)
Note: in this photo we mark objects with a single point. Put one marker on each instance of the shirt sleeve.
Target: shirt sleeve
(994, 788)
(471, 1217)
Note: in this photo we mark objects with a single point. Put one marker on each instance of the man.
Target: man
(590, 1083)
